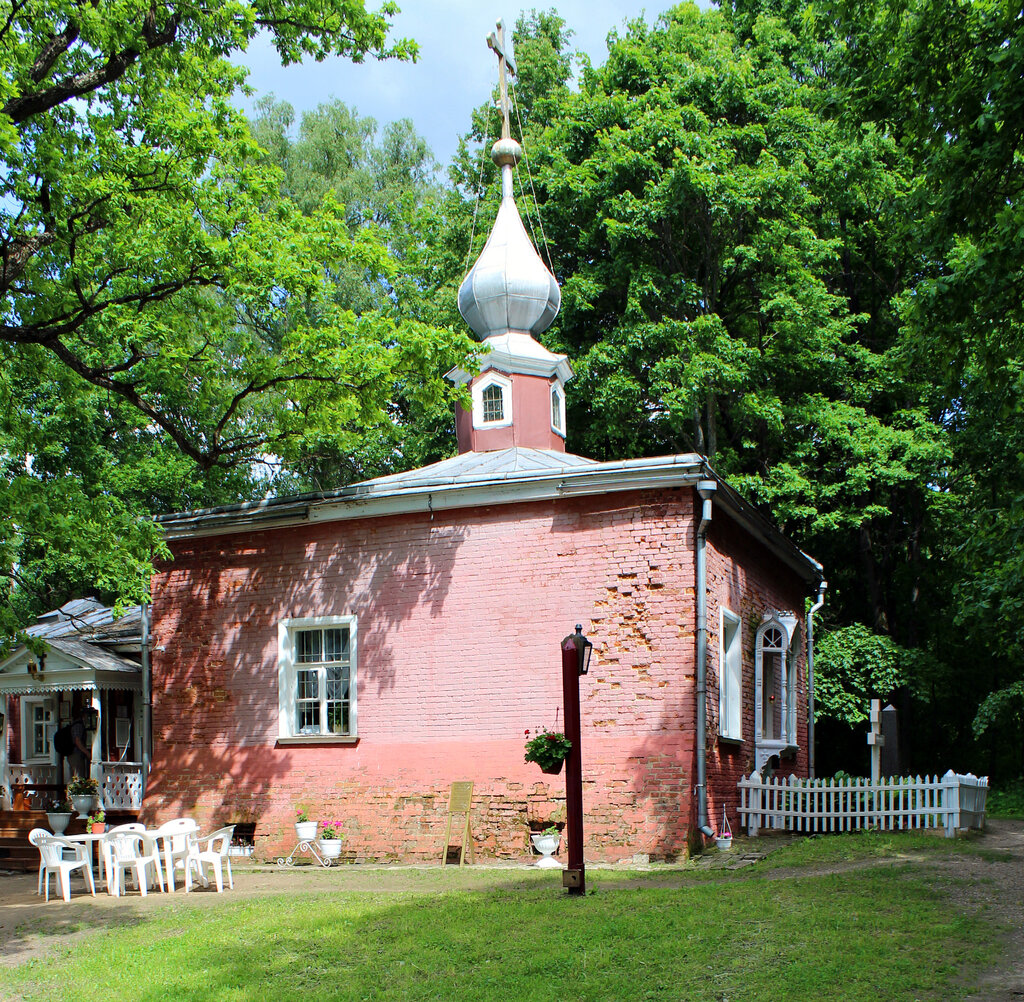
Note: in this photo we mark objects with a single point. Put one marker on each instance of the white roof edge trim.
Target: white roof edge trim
(451, 493)
(504, 362)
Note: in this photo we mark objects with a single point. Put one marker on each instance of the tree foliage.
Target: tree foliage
(784, 237)
(147, 252)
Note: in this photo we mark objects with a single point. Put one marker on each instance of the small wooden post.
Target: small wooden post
(574, 877)
(460, 800)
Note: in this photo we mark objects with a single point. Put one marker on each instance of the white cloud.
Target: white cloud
(454, 74)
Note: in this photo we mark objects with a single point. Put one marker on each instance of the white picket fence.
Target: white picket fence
(851, 804)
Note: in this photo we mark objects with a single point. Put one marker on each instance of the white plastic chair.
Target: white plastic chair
(216, 857)
(132, 826)
(62, 858)
(136, 851)
(179, 838)
(33, 837)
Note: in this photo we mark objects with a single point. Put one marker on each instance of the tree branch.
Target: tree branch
(52, 51)
(37, 102)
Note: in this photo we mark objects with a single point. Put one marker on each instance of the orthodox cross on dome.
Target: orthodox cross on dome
(506, 61)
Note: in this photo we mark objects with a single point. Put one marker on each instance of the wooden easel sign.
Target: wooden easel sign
(460, 800)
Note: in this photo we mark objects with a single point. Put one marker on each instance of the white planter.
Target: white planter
(330, 847)
(723, 843)
(59, 820)
(306, 830)
(546, 845)
(83, 803)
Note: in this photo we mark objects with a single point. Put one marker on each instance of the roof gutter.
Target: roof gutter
(822, 585)
(706, 488)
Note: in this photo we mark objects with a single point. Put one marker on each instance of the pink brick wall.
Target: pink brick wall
(459, 622)
(747, 580)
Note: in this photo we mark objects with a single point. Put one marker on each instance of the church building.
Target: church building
(354, 652)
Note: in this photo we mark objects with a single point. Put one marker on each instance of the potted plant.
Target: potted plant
(304, 828)
(548, 749)
(546, 843)
(723, 840)
(330, 839)
(84, 792)
(337, 722)
(96, 823)
(59, 815)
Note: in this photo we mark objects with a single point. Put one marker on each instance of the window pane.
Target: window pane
(308, 718)
(338, 700)
(307, 646)
(336, 645)
(307, 684)
(492, 398)
(771, 704)
(307, 702)
(41, 730)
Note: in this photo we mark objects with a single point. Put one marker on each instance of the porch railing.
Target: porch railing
(851, 804)
(120, 784)
(29, 784)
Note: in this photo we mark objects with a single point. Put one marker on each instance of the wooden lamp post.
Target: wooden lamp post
(576, 651)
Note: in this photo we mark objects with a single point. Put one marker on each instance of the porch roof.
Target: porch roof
(69, 665)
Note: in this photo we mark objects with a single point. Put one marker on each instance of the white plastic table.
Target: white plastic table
(90, 840)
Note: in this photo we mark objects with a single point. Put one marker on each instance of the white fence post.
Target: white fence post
(951, 802)
(751, 789)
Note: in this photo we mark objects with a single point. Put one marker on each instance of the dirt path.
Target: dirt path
(988, 883)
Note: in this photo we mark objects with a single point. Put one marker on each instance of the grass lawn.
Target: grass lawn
(879, 929)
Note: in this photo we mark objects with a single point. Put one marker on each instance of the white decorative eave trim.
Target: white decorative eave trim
(67, 680)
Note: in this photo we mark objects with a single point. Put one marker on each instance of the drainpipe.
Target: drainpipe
(822, 585)
(706, 489)
(147, 698)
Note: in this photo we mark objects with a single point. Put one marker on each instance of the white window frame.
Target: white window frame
(786, 684)
(505, 385)
(287, 680)
(27, 729)
(730, 676)
(558, 406)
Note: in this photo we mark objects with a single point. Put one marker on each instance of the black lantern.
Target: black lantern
(584, 648)
(91, 718)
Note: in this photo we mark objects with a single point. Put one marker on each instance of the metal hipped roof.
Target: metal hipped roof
(89, 619)
(501, 477)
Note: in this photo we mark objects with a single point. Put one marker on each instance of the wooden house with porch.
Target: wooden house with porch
(92, 667)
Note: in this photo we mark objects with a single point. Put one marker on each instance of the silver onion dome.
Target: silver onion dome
(509, 288)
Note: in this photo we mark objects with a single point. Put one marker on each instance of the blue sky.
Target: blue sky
(455, 71)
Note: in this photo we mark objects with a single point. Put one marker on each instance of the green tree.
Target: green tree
(147, 252)
(386, 181)
(943, 83)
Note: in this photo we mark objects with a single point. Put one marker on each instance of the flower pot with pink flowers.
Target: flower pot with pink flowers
(330, 839)
(304, 828)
